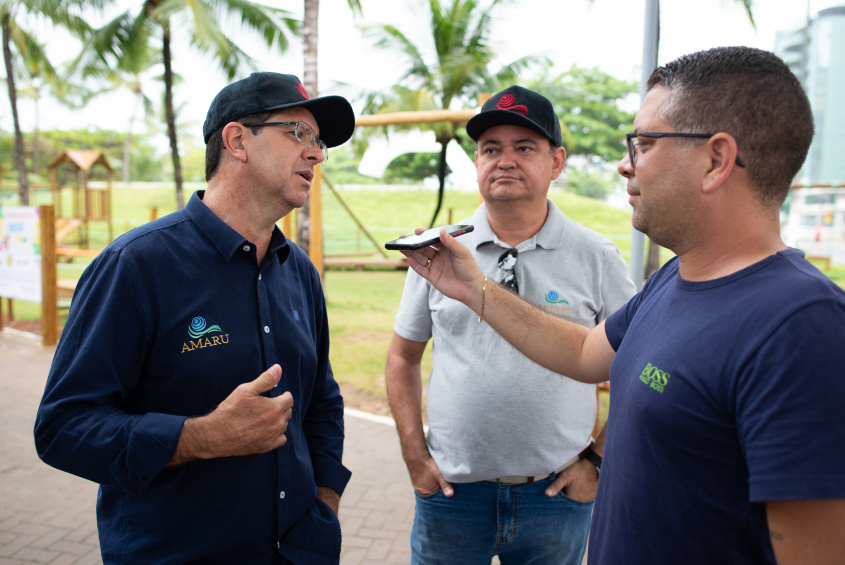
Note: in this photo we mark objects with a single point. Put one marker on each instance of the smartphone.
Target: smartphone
(427, 237)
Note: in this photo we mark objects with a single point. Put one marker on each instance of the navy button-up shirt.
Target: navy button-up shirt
(166, 322)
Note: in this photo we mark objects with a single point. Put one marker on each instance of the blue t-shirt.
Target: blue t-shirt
(166, 322)
(725, 394)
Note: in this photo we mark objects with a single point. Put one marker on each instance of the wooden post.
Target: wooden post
(286, 225)
(316, 249)
(49, 293)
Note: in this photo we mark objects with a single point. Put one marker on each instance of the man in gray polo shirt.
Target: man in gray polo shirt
(508, 467)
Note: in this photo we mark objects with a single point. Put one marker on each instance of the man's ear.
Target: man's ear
(722, 152)
(558, 161)
(234, 135)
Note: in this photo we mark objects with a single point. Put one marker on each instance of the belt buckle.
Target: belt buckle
(519, 480)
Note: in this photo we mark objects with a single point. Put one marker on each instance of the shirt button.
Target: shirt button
(259, 277)
(266, 329)
(246, 248)
(282, 494)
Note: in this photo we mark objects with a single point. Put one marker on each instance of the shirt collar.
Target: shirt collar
(550, 235)
(226, 240)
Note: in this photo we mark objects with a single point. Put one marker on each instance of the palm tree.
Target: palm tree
(38, 75)
(129, 37)
(18, 42)
(455, 74)
(310, 38)
(132, 76)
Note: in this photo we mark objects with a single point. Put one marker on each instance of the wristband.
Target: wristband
(591, 456)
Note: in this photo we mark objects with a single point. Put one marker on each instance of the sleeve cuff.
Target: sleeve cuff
(330, 473)
(152, 443)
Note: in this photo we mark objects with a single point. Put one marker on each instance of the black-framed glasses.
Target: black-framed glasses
(507, 262)
(631, 142)
(303, 134)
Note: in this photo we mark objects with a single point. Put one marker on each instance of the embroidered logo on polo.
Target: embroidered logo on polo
(200, 331)
(556, 304)
(508, 102)
(655, 378)
(552, 297)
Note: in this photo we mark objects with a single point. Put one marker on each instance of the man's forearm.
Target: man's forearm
(404, 393)
(403, 380)
(193, 443)
(557, 344)
(329, 497)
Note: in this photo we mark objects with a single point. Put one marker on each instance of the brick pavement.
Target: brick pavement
(47, 516)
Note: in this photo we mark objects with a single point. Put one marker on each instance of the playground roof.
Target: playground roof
(83, 159)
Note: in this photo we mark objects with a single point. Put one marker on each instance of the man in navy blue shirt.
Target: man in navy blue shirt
(725, 434)
(192, 380)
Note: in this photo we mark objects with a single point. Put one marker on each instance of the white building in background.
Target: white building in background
(816, 54)
(816, 222)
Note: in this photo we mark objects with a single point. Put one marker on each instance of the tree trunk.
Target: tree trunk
(35, 140)
(171, 119)
(20, 155)
(441, 176)
(127, 144)
(309, 81)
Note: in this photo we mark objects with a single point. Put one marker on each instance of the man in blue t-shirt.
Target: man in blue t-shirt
(153, 391)
(725, 435)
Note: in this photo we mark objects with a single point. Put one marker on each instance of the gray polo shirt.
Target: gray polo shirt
(491, 411)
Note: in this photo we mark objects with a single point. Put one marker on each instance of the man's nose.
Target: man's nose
(507, 159)
(314, 153)
(624, 167)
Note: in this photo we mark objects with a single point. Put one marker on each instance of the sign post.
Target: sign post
(28, 261)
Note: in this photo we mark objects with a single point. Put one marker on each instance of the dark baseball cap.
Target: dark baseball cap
(517, 106)
(269, 92)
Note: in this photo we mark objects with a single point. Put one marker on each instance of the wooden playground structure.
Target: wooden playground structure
(86, 204)
(76, 205)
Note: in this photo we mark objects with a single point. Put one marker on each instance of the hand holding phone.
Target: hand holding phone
(427, 237)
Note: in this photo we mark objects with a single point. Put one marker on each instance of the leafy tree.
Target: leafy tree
(455, 73)
(133, 76)
(590, 184)
(587, 101)
(19, 42)
(147, 163)
(38, 76)
(149, 25)
(412, 166)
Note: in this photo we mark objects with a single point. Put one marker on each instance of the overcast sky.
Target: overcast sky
(603, 33)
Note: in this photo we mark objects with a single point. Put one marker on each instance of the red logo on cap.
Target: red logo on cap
(506, 103)
(301, 89)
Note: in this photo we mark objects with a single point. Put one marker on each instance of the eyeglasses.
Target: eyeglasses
(631, 141)
(303, 134)
(507, 262)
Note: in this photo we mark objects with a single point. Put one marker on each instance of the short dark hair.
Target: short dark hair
(214, 147)
(750, 94)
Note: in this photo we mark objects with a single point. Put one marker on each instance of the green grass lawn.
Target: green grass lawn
(362, 304)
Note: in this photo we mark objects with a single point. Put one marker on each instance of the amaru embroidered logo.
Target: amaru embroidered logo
(552, 297)
(555, 304)
(200, 330)
(654, 377)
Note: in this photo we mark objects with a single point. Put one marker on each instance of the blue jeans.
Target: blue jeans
(519, 523)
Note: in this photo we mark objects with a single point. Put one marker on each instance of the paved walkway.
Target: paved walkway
(47, 516)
